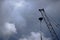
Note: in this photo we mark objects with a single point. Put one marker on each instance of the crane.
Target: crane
(49, 25)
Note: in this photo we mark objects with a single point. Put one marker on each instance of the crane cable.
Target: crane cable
(51, 27)
(53, 21)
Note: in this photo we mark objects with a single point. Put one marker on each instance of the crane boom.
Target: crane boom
(49, 25)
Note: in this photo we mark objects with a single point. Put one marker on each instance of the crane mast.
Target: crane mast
(49, 25)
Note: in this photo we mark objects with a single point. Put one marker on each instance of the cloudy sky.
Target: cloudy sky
(19, 19)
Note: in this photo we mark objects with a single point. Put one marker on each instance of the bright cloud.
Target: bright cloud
(35, 36)
(19, 4)
(7, 30)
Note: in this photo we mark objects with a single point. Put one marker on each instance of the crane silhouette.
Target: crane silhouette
(49, 25)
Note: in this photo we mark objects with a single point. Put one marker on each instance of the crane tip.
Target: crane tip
(41, 9)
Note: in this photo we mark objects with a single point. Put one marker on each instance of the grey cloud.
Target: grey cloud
(26, 17)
